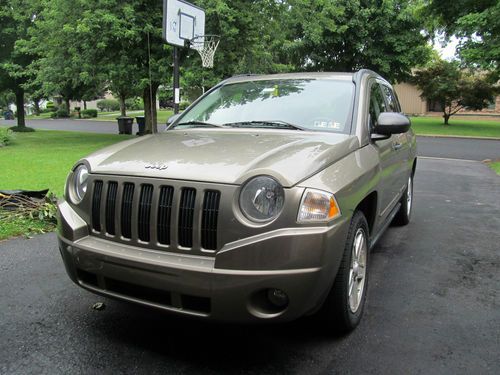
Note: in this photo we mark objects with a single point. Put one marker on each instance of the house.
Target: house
(413, 104)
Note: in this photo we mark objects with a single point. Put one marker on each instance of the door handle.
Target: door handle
(396, 146)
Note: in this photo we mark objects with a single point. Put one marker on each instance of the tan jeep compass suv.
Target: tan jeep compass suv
(260, 202)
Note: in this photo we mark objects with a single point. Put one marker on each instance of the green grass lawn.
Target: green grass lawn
(41, 160)
(495, 166)
(26, 227)
(41, 116)
(458, 126)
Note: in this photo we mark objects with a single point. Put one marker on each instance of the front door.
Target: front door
(389, 160)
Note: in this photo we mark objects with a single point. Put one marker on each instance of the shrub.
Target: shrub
(22, 129)
(183, 105)
(6, 136)
(51, 107)
(60, 113)
(89, 113)
(108, 105)
(134, 104)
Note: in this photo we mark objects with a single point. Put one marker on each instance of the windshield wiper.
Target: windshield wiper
(194, 124)
(273, 124)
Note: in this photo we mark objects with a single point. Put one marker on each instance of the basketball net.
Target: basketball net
(206, 45)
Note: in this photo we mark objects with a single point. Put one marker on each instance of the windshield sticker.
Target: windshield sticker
(198, 142)
(327, 125)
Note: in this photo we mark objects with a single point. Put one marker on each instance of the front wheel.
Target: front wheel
(403, 216)
(344, 305)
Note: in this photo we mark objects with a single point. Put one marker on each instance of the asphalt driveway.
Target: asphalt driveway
(433, 305)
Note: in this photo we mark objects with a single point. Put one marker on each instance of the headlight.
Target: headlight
(317, 205)
(261, 199)
(79, 185)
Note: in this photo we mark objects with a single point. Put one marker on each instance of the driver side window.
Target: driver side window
(377, 104)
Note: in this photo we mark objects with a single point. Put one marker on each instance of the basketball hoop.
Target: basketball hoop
(206, 46)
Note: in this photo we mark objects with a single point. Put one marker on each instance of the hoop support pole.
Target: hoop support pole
(176, 81)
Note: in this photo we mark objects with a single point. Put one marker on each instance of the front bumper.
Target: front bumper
(302, 262)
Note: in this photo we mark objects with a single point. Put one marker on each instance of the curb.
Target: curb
(457, 136)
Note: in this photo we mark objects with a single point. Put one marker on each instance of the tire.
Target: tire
(342, 311)
(403, 215)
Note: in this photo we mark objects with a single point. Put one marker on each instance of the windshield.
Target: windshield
(300, 104)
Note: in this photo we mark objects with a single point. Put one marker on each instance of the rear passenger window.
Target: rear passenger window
(390, 97)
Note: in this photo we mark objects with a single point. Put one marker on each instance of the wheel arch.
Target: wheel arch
(368, 206)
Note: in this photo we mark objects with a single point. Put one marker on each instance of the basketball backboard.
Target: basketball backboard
(182, 21)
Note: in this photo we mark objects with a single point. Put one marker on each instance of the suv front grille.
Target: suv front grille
(156, 215)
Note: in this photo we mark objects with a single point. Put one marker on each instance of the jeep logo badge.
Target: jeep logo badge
(158, 166)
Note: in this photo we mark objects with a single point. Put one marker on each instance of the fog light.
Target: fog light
(277, 297)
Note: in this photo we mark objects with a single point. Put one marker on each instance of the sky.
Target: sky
(448, 51)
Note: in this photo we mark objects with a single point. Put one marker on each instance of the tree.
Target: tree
(477, 23)
(252, 37)
(66, 66)
(347, 35)
(454, 89)
(91, 43)
(16, 19)
(6, 99)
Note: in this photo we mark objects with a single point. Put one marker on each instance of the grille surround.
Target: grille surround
(168, 226)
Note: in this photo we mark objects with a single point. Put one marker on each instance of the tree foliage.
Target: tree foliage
(455, 89)
(477, 23)
(78, 49)
(16, 19)
(347, 35)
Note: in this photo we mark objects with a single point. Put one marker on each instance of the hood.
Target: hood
(228, 156)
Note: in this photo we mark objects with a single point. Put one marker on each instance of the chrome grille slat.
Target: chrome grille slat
(144, 214)
(126, 216)
(165, 214)
(96, 206)
(110, 207)
(186, 216)
(210, 213)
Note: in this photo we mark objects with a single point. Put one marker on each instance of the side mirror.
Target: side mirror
(392, 123)
(172, 118)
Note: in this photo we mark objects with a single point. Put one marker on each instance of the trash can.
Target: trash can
(8, 115)
(125, 125)
(141, 122)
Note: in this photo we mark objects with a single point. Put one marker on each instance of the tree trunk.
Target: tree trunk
(68, 104)
(446, 117)
(85, 104)
(150, 112)
(21, 122)
(123, 108)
